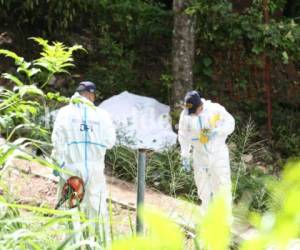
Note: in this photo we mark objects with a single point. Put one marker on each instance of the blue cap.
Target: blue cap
(86, 86)
(192, 101)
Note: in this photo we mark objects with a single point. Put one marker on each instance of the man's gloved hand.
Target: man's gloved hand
(56, 172)
(212, 134)
(186, 164)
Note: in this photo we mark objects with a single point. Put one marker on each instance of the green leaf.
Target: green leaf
(208, 71)
(5, 154)
(18, 60)
(257, 50)
(207, 61)
(13, 79)
(285, 57)
(30, 89)
(162, 234)
(218, 214)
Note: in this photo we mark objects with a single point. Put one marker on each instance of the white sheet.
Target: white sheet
(141, 122)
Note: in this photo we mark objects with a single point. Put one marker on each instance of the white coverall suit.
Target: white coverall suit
(81, 135)
(210, 155)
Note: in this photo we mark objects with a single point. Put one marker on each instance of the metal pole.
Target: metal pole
(141, 171)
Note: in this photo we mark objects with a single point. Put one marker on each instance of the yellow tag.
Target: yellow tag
(203, 138)
(214, 119)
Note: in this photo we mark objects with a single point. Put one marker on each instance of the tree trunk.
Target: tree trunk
(183, 51)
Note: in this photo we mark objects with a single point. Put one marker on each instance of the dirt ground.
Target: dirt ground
(32, 184)
(27, 187)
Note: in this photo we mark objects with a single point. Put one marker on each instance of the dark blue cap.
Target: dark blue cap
(192, 101)
(86, 86)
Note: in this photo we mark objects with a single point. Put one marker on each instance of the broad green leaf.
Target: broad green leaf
(30, 89)
(162, 234)
(13, 79)
(216, 221)
(18, 60)
(207, 61)
(285, 57)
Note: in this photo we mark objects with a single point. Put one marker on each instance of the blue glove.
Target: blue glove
(56, 172)
(186, 164)
(212, 134)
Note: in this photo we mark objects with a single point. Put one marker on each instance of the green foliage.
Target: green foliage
(219, 26)
(130, 41)
(22, 107)
(286, 138)
(56, 58)
(218, 214)
(126, 40)
(280, 225)
(163, 172)
(60, 14)
(231, 45)
(28, 227)
(251, 173)
(162, 234)
(23, 67)
(41, 228)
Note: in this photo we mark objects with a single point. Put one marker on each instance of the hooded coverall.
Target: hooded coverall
(81, 135)
(210, 155)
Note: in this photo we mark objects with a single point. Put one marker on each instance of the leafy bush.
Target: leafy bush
(249, 164)
(286, 137)
(279, 226)
(22, 108)
(163, 172)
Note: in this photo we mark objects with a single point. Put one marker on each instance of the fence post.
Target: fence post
(141, 172)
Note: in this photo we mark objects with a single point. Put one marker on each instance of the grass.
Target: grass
(29, 227)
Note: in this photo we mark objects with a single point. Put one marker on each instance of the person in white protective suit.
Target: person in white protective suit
(81, 135)
(203, 129)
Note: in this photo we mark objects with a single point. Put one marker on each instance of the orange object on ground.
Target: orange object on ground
(73, 192)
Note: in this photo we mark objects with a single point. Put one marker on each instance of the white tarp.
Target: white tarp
(141, 122)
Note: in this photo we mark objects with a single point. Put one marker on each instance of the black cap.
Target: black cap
(192, 101)
(86, 86)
